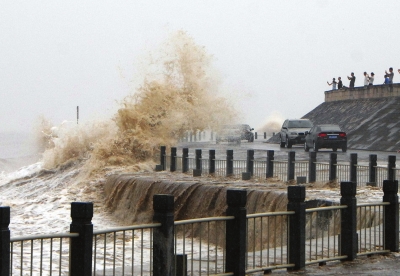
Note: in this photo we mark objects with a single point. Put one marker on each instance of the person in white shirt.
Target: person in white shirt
(366, 77)
(333, 84)
(371, 79)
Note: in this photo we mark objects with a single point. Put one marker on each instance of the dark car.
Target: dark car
(326, 136)
(293, 132)
(235, 133)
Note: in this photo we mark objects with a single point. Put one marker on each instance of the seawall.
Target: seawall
(363, 92)
(130, 197)
(371, 123)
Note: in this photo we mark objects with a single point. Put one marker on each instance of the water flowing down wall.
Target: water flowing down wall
(130, 198)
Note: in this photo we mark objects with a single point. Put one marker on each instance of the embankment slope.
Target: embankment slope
(371, 124)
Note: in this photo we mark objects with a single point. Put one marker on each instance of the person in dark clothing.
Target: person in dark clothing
(339, 84)
(352, 80)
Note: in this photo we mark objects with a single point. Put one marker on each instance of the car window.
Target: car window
(299, 123)
(331, 128)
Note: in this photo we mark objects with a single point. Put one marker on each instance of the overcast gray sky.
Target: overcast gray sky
(276, 55)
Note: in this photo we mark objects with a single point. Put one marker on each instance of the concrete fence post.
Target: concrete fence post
(4, 240)
(250, 162)
(236, 232)
(81, 247)
(270, 163)
(211, 162)
(198, 159)
(290, 165)
(332, 166)
(348, 236)
(353, 167)
(297, 227)
(391, 223)
(163, 236)
(391, 167)
(372, 168)
(185, 160)
(162, 157)
(229, 162)
(173, 159)
(312, 167)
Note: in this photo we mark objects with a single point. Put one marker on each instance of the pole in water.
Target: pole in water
(77, 114)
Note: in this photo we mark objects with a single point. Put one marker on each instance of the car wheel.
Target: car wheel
(288, 143)
(315, 147)
(344, 148)
(282, 144)
(306, 148)
(334, 149)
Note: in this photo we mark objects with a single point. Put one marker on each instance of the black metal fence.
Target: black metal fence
(285, 170)
(235, 244)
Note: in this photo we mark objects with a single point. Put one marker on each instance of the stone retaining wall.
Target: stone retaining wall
(363, 92)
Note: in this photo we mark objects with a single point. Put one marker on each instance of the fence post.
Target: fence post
(391, 166)
(250, 162)
(391, 223)
(353, 167)
(348, 236)
(255, 135)
(312, 167)
(297, 227)
(265, 135)
(4, 240)
(211, 162)
(162, 157)
(173, 159)
(81, 247)
(198, 159)
(236, 232)
(332, 166)
(185, 155)
(290, 165)
(372, 168)
(229, 162)
(270, 163)
(163, 236)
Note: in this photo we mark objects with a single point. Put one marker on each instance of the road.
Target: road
(260, 151)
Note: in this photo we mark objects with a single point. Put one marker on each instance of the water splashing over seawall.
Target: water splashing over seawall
(130, 197)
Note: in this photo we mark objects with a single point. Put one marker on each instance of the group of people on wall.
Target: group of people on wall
(368, 79)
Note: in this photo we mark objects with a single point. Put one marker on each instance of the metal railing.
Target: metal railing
(201, 242)
(267, 241)
(40, 254)
(123, 250)
(323, 226)
(370, 228)
(342, 172)
(259, 169)
(362, 175)
(381, 174)
(322, 169)
(280, 169)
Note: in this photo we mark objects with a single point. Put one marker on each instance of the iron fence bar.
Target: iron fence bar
(44, 237)
(328, 208)
(126, 228)
(199, 220)
(268, 214)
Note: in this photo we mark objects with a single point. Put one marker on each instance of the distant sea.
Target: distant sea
(17, 149)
